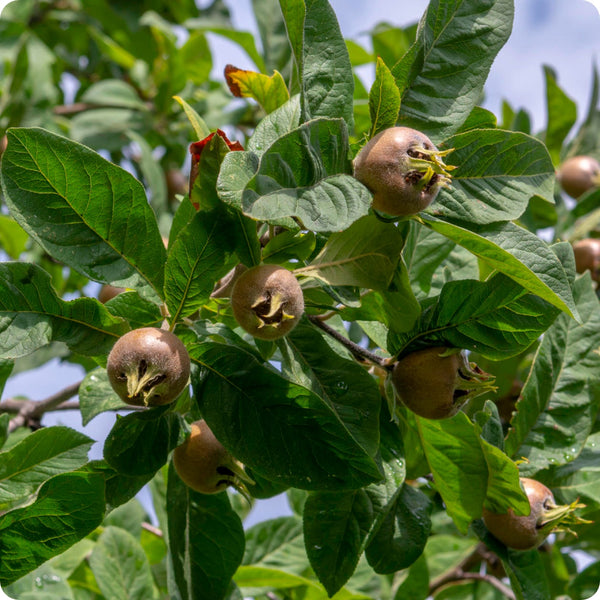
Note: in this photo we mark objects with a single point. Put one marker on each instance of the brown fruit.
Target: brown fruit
(403, 170)
(528, 532)
(108, 292)
(587, 256)
(578, 174)
(434, 383)
(204, 465)
(267, 301)
(148, 367)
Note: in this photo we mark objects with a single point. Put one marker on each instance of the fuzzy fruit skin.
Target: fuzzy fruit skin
(578, 174)
(267, 301)
(201, 461)
(148, 367)
(522, 532)
(382, 165)
(108, 292)
(426, 382)
(587, 256)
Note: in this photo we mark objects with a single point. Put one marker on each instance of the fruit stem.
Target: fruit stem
(358, 351)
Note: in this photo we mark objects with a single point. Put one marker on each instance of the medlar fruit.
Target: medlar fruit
(434, 383)
(108, 292)
(578, 174)
(403, 170)
(587, 256)
(267, 301)
(204, 465)
(528, 532)
(148, 367)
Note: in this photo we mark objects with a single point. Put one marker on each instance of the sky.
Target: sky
(564, 34)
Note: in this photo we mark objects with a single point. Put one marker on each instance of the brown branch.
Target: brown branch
(32, 411)
(151, 529)
(358, 351)
(460, 573)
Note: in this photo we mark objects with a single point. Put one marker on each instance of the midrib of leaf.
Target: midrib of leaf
(82, 220)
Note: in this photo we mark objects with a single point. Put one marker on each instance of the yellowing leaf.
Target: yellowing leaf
(269, 91)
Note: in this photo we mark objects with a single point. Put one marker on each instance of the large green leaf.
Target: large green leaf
(38, 457)
(365, 255)
(299, 438)
(320, 52)
(497, 173)
(443, 74)
(139, 444)
(96, 396)
(384, 99)
(468, 471)
(560, 399)
(67, 508)
(206, 542)
(84, 211)
(198, 258)
(496, 318)
(336, 525)
(121, 567)
(302, 174)
(562, 115)
(323, 366)
(32, 315)
(516, 252)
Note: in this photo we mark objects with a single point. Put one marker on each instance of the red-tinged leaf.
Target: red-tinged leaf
(269, 91)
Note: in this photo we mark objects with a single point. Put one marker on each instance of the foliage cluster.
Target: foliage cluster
(386, 504)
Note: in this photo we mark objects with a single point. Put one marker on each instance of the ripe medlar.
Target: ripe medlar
(148, 367)
(267, 301)
(204, 465)
(528, 532)
(578, 174)
(434, 383)
(587, 256)
(403, 170)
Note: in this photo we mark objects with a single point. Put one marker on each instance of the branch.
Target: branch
(460, 573)
(32, 411)
(151, 529)
(358, 351)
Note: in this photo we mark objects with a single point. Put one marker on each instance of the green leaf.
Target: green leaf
(562, 115)
(121, 567)
(497, 173)
(137, 311)
(442, 76)
(38, 457)
(252, 579)
(288, 245)
(365, 254)
(275, 125)
(115, 93)
(198, 258)
(384, 99)
(559, 401)
(206, 541)
(496, 318)
(198, 124)
(302, 174)
(139, 444)
(468, 471)
(13, 239)
(277, 543)
(196, 58)
(336, 525)
(68, 507)
(516, 252)
(83, 210)
(401, 531)
(327, 369)
(96, 396)
(300, 440)
(319, 50)
(33, 316)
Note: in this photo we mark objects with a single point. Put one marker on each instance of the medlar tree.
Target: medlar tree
(296, 327)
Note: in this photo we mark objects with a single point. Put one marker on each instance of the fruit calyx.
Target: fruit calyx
(426, 169)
